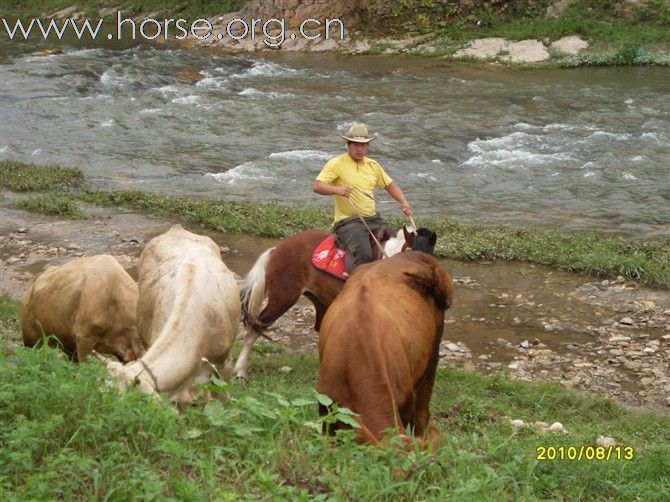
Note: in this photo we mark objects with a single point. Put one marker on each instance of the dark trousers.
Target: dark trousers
(352, 235)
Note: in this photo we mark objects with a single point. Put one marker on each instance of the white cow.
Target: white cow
(187, 314)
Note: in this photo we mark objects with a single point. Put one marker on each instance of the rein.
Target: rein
(151, 373)
(360, 190)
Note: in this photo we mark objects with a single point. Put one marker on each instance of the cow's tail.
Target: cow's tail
(252, 292)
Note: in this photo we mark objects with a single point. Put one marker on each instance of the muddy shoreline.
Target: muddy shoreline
(610, 338)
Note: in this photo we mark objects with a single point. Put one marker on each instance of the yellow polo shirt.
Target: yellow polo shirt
(344, 171)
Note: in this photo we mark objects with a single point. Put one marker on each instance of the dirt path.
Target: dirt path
(611, 338)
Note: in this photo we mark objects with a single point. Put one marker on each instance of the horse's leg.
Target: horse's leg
(320, 312)
(278, 305)
(319, 307)
(243, 360)
(280, 299)
(421, 406)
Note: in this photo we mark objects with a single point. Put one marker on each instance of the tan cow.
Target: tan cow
(379, 343)
(87, 304)
(188, 313)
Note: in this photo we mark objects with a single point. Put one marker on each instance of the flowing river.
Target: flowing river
(573, 149)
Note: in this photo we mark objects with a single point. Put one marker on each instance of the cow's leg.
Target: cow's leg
(188, 391)
(225, 369)
(85, 344)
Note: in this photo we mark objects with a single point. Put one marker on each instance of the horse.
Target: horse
(283, 273)
(379, 347)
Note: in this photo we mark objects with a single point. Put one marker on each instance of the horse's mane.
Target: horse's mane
(430, 279)
(424, 241)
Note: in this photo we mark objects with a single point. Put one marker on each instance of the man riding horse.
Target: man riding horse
(351, 178)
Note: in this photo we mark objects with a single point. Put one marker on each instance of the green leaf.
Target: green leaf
(302, 402)
(323, 399)
(313, 425)
(243, 431)
(217, 414)
(346, 411)
(218, 382)
(280, 399)
(347, 419)
(192, 434)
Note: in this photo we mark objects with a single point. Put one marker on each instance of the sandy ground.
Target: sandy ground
(608, 337)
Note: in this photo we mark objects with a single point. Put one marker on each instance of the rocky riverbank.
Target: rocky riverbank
(566, 33)
(608, 338)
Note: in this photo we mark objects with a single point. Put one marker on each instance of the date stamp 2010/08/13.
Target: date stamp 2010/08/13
(591, 453)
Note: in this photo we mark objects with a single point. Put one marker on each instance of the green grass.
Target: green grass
(52, 203)
(620, 32)
(613, 32)
(10, 322)
(615, 21)
(23, 177)
(65, 434)
(587, 252)
(593, 253)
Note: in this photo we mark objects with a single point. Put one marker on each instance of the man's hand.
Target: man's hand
(407, 209)
(327, 189)
(344, 191)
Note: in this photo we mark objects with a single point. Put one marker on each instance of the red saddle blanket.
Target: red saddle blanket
(328, 258)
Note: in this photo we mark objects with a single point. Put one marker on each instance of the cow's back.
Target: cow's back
(179, 270)
(86, 295)
(188, 309)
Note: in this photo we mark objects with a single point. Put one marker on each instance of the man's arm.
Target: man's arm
(325, 189)
(394, 191)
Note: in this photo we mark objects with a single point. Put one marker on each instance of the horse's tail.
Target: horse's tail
(252, 292)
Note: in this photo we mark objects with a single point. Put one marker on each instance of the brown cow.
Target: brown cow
(87, 304)
(379, 343)
(188, 314)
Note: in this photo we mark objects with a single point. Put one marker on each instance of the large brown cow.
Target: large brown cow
(379, 343)
(87, 304)
(188, 314)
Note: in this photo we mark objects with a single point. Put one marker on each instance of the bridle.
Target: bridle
(148, 370)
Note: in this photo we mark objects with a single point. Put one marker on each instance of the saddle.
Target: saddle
(330, 258)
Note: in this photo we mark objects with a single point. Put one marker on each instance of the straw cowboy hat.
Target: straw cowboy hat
(358, 133)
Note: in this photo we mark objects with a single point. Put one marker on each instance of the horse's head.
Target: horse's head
(383, 235)
(400, 242)
(424, 241)
(409, 238)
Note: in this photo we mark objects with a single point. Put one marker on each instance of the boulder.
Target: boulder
(526, 51)
(569, 45)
